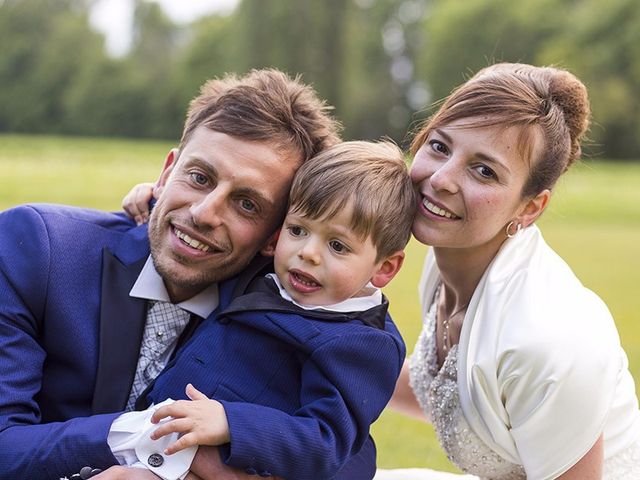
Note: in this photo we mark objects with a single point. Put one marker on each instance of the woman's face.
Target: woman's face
(470, 182)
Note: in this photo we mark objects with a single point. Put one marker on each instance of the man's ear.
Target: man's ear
(534, 208)
(269, 250)
(167, 168)
(387, 269)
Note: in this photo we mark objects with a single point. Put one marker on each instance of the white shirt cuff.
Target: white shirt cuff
(130, 441)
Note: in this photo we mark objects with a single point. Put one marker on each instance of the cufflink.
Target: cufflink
(85, 474)
(155, 460)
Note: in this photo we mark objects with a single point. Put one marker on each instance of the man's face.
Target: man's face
(220, 202)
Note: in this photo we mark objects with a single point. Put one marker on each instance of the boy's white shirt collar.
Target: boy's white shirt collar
(150, 286)
(353, 304)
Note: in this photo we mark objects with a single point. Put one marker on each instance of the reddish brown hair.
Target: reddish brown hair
(264, 105)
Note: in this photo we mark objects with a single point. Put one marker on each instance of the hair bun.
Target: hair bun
(570, 95)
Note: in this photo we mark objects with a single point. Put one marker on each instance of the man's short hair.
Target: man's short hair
(264, 105)
(370, 178)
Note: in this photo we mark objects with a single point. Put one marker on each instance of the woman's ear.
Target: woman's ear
(269, 250)
(534, 208)
(387, 269)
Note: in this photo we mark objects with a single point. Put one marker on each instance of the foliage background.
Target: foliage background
(379, 62)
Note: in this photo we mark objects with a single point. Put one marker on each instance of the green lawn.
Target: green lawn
(593, 222)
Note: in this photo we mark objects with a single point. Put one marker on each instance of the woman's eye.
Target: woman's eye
(338, 247)
(198, 178)
(486, 172)
(438, 146)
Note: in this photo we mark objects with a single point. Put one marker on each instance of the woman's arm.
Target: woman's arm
(403, 399)
(588, 467)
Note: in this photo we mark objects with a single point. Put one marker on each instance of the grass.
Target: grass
(593, 223)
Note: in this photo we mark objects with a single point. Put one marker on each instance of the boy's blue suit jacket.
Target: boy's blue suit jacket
(70, 336)
(300, 388)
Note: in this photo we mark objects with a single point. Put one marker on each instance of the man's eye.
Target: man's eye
(198, 178)
(247, 205)
(338, 247)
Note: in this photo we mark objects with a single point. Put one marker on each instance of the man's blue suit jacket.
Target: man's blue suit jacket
(70, 336)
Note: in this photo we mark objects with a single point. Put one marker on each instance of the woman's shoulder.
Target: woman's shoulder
(534, 315)
(534, 284)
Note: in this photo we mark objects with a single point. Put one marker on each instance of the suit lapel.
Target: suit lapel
(122, 320)
(228, 290)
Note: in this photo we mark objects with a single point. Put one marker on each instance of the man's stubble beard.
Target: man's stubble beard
(199, 278)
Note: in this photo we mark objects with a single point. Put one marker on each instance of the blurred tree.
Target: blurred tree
(152, 63)
(379, 69)
(376, 61)
(155, 36)
(212, 51)
(107, 98)
(40, 58)
(603, 49)
(354, 52)
(297, 37)
(463, 37)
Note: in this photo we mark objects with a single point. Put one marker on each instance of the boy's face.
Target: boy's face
(322, 262)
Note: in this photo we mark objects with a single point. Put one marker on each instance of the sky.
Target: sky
(114, 17)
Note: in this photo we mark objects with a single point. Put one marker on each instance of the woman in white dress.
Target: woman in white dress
(519, 367)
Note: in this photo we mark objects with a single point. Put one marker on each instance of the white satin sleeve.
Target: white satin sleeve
(130, 441)
(557, 396)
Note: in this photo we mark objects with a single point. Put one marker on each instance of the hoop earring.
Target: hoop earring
(510, 225)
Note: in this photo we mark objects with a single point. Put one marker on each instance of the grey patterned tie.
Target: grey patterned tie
(165, 323)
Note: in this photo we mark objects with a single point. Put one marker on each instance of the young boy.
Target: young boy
(302, 403)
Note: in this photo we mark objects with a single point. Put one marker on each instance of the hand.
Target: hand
(136, 202)
(126, 473)
(208, 466)
(201, 421)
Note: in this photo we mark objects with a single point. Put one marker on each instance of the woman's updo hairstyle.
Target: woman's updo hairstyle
(547, 99)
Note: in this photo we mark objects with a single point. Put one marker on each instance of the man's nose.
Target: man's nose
(210, 209)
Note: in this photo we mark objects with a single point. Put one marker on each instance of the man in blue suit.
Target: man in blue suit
(78, 336)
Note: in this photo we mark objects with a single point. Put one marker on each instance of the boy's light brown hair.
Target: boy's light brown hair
(264, 105)
(372, 179)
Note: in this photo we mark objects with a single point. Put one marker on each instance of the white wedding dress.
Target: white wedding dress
(437, 392)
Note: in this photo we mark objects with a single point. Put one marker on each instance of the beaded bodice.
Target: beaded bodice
(437, 392)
